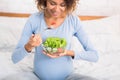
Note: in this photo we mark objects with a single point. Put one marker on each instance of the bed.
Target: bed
(104, 33)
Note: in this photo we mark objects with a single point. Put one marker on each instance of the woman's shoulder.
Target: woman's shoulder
(73, 17)
(75, 21)
(35, 16)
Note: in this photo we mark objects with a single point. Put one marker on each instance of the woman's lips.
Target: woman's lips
(55, 14)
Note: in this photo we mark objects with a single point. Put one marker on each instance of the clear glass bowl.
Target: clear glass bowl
(52, 50)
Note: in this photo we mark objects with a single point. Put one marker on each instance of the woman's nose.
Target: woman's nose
(57, 8)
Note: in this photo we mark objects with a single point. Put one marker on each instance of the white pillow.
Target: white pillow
(10, 31)
(104, 34)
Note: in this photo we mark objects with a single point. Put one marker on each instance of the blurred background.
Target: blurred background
(85, 7)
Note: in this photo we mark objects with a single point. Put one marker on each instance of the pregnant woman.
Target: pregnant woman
(54, 19)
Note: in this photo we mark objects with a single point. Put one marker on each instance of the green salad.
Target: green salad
(52, 44)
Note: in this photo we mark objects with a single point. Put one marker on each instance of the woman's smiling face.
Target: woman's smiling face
(56, 7)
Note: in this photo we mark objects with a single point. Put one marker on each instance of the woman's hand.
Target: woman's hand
(56, 54)
(34, 41)
(59, 53)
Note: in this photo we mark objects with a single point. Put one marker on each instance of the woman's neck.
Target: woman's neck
(52, 21)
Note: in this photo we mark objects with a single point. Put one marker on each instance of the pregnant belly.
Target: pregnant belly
(53, 69)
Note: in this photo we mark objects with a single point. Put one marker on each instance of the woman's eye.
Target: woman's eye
(63, 5)
(52, 3)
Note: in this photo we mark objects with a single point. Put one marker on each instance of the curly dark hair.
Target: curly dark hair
(70, 5)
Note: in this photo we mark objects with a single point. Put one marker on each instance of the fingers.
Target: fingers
(55, 55)
(33, 35)
(38, 39)
(35, 40)
(51, 55)
(64, 53)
